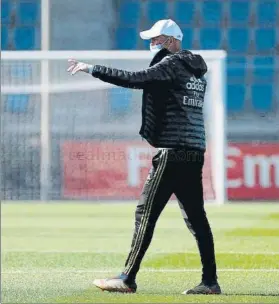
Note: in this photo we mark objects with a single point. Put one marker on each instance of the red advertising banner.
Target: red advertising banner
(105, 170)
(253, 171)
(117, 170)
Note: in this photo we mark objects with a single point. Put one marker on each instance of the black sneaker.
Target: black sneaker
(117, 284)
(206, 289)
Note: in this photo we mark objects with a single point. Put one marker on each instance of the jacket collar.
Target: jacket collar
(159, 56)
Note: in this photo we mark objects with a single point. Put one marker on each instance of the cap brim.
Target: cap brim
(146, 35)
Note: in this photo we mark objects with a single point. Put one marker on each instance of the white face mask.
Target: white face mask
(157, 47)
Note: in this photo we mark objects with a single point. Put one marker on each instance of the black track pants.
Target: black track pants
(175, 171)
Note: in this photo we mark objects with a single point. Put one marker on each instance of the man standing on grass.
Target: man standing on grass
(172, 121)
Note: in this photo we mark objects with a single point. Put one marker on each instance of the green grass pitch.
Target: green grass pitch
(51, 253)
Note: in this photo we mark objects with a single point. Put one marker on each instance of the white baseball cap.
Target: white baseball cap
(163, 27)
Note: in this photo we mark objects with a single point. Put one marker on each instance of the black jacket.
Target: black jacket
(173, 96)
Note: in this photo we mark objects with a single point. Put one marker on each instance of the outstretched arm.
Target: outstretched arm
(162, 72)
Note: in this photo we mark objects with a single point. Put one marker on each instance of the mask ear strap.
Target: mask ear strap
(167, 40)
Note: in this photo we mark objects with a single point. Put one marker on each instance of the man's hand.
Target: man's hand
(77, 66)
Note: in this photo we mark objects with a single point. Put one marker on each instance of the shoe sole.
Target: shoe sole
(204, 293)
(128, 290)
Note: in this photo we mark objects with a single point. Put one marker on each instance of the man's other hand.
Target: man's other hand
(77, 66)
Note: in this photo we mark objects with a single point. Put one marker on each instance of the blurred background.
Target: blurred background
(248, 30)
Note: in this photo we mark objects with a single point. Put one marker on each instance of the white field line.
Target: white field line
(123, 252)
(145, 270)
